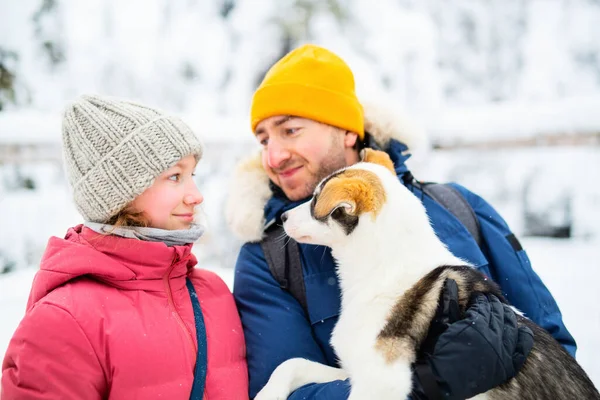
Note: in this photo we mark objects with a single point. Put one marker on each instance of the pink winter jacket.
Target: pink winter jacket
(111, 318)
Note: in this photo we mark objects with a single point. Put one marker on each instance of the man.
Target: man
(307, 118)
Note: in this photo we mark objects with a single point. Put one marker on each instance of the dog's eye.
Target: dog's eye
(347, 221)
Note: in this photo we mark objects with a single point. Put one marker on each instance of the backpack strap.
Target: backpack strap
(453, 201)
(283, 256)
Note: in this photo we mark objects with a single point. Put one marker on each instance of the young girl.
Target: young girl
(117, 310)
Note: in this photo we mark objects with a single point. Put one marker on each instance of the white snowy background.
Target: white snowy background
(508, 93)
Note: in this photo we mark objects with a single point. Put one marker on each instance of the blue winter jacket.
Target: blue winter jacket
(276, 327)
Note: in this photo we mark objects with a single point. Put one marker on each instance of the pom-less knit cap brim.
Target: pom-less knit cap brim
(310, 82)
(318, 104)
(114, 150)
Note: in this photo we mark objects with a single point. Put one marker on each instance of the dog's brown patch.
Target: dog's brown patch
(361, 190)
(378, 157)
(411, 316)
(394, 348)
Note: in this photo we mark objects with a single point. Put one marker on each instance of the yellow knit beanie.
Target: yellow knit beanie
(309, 82)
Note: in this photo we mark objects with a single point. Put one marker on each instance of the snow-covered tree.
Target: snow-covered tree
(207, 57)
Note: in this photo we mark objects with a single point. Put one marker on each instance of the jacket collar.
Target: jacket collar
(253, 203)
(129, 264)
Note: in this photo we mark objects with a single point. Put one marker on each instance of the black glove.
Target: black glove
(461, 358)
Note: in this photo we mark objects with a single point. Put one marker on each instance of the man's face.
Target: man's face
(298, 152)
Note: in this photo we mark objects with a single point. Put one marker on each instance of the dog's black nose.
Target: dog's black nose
(284, 217)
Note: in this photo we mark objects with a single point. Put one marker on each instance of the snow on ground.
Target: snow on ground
(570, 269)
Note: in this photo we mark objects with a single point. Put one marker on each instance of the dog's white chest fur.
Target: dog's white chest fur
(355, 333)
(355, 336)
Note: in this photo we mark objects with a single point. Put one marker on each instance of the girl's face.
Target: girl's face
(169, 203)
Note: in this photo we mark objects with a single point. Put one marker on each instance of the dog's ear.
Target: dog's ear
(354, 191)
(377, 157)
(333, 196)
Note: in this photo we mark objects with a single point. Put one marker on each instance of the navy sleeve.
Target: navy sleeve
(511, 269)
(275, 327)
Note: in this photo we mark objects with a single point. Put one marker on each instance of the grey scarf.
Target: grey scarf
(170, 238)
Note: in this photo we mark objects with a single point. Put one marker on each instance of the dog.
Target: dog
(392, 268)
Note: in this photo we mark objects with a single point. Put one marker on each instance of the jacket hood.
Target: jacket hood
(129, 264)
(251, 203)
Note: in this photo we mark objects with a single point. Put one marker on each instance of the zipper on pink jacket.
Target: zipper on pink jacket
(167, 283)
(178, 318)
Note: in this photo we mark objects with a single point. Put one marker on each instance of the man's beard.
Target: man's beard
(325, 169)
(334, 161)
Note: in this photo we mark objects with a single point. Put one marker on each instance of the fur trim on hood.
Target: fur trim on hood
(249, 189)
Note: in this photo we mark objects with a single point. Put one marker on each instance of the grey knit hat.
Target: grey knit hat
(114, 149)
